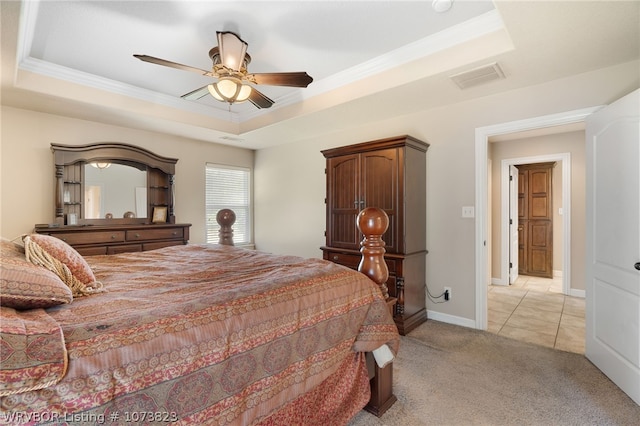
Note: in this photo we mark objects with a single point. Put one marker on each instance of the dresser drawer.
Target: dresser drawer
(353, 260)
(155, 234)
(94, 237)
(92, 251)
(349, 260)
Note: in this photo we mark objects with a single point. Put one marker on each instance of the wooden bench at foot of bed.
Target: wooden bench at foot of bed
(372, 223)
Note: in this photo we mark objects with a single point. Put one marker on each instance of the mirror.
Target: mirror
(114, 191)
(111, 183)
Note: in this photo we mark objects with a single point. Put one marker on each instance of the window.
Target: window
(228, 187)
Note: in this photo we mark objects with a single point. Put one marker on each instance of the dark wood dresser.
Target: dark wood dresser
(95, 179)
(389, 174)
(92, 240)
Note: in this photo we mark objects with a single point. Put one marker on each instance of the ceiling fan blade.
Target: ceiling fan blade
(259, 99)
(196, 94)
(293, 79)
(232, 49)
(170, 64)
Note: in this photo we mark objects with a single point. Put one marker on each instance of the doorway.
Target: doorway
(482, 194)
(564, 162)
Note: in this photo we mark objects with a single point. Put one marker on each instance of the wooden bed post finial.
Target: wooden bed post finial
(226, 218)
(373, 223)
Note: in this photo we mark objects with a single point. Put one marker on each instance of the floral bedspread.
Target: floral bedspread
(207, 334)
(32, 351)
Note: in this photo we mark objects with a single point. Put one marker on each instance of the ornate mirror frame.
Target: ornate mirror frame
(69, 161)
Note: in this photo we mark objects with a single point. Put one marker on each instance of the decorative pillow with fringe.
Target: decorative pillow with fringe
(24, 285)
(59, 257)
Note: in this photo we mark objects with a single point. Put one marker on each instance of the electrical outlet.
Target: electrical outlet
(447, 293)
(468, 212)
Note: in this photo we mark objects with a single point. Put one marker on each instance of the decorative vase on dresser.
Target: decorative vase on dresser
(389, 174)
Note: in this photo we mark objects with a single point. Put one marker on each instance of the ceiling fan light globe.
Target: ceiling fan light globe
(214, 93)
(245, 92)
(229, 90)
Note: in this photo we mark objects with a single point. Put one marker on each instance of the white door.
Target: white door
(513, 224)
(613, 242)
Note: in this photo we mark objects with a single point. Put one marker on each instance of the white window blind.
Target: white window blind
(228, 188)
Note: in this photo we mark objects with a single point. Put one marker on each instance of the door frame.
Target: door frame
(565, 159)
(513, 254)
(482, 135)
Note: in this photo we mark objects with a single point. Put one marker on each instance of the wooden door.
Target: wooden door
(536, 219)
(380, 189)
(613, 242)
(344, 201)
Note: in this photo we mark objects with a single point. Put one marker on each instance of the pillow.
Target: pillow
(24, 285)
(59, 257)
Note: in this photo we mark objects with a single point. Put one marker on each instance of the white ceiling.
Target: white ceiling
(369, 60)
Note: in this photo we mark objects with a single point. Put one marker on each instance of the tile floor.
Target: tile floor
(535, 310)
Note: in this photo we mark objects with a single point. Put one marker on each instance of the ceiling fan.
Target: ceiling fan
(230, 60)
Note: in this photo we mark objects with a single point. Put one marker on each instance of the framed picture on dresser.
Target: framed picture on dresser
(159, 215)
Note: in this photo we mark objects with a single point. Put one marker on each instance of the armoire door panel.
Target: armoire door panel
(345, 181)
(380, 181)
(343, 200)
(343, 234)
(380, 188)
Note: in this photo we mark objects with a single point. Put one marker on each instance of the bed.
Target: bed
(195, 334)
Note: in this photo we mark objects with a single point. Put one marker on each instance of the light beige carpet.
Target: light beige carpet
(450, 375)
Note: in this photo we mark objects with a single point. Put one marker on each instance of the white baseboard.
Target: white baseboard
(499, 281)
(557, 274)
(577, 293)
(451, 319)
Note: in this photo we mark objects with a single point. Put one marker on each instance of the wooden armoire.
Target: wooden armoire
(389, 174)
(535, 219)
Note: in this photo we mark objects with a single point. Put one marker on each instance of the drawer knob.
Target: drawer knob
(113, 237)
(137, 235)
(175, 232)
(335, 257)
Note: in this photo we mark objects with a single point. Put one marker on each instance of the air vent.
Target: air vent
(478, 75)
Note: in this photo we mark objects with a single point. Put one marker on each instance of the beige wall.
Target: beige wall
(290, 181)
(572, 143)
(27, 172)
